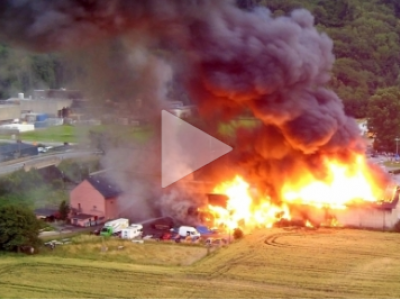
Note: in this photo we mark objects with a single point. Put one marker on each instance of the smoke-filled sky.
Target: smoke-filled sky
(227, 59)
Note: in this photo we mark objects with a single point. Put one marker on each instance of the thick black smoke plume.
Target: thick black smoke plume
(229, 60)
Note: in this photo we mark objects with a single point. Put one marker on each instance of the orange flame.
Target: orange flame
(308, 224)
(242, 209)
(345, 183)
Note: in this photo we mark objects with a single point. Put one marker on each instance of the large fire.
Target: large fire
(241, 208)
(345, 183)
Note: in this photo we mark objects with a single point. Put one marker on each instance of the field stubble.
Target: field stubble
(332, 263)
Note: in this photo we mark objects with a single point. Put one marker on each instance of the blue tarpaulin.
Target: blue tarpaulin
(204, 230)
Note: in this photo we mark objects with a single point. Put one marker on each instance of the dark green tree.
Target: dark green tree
(394, 4)
(336, 13)
(384, 117)
(246, 4)
(18, 227)
(64, 210)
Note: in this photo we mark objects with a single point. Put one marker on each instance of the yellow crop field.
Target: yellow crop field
(298, 263)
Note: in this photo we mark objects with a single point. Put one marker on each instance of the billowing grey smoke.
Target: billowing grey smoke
(68, 24)
(228, 59)
(277, 67)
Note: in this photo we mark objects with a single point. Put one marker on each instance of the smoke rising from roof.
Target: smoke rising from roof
(230, 61)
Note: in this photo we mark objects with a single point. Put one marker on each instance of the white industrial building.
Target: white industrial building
(47, 106)
(49, 102)
(18, 127)
(377, 215)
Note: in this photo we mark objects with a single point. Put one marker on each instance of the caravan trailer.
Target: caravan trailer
(131, 232)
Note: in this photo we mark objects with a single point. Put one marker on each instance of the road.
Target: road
(66, 230)
(12, 166)
(54, 144)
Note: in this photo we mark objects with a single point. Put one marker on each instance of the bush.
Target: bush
(18, 227)
(237, 233)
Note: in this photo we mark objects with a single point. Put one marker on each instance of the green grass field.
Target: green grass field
(52, 134)
(278, 263)
(77, 134)
(229, 129)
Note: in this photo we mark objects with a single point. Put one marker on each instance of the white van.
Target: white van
(131, 232)
(185, 231)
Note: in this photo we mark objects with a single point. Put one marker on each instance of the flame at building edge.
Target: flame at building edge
(247, 210)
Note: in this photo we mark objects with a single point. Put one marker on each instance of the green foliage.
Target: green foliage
(22, 71)
(64, 210)
(394, 4)
(366, 36)
(29, 189)
(18, 227)
(384, 117)
(79, 170)
(335, 13)
(64, 133)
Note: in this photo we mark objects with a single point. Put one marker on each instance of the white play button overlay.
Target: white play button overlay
(185, 149)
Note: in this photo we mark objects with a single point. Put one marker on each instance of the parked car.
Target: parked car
(133, 231)
(43, 149)
(166, 236)
(188, 231)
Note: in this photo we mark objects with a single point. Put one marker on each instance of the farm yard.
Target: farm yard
(297, 263)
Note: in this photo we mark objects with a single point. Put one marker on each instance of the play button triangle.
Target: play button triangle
(185, 148)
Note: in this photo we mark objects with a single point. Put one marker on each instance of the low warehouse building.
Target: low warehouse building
(374, 215)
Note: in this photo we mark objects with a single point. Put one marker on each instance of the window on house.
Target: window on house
(94, 207)
(79, 206)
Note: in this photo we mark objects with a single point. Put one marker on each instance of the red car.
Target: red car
(166, 236)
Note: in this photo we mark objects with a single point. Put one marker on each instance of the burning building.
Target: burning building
(241, 208)
(305, 151)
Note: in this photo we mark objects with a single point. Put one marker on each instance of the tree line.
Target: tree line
(366, 36)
